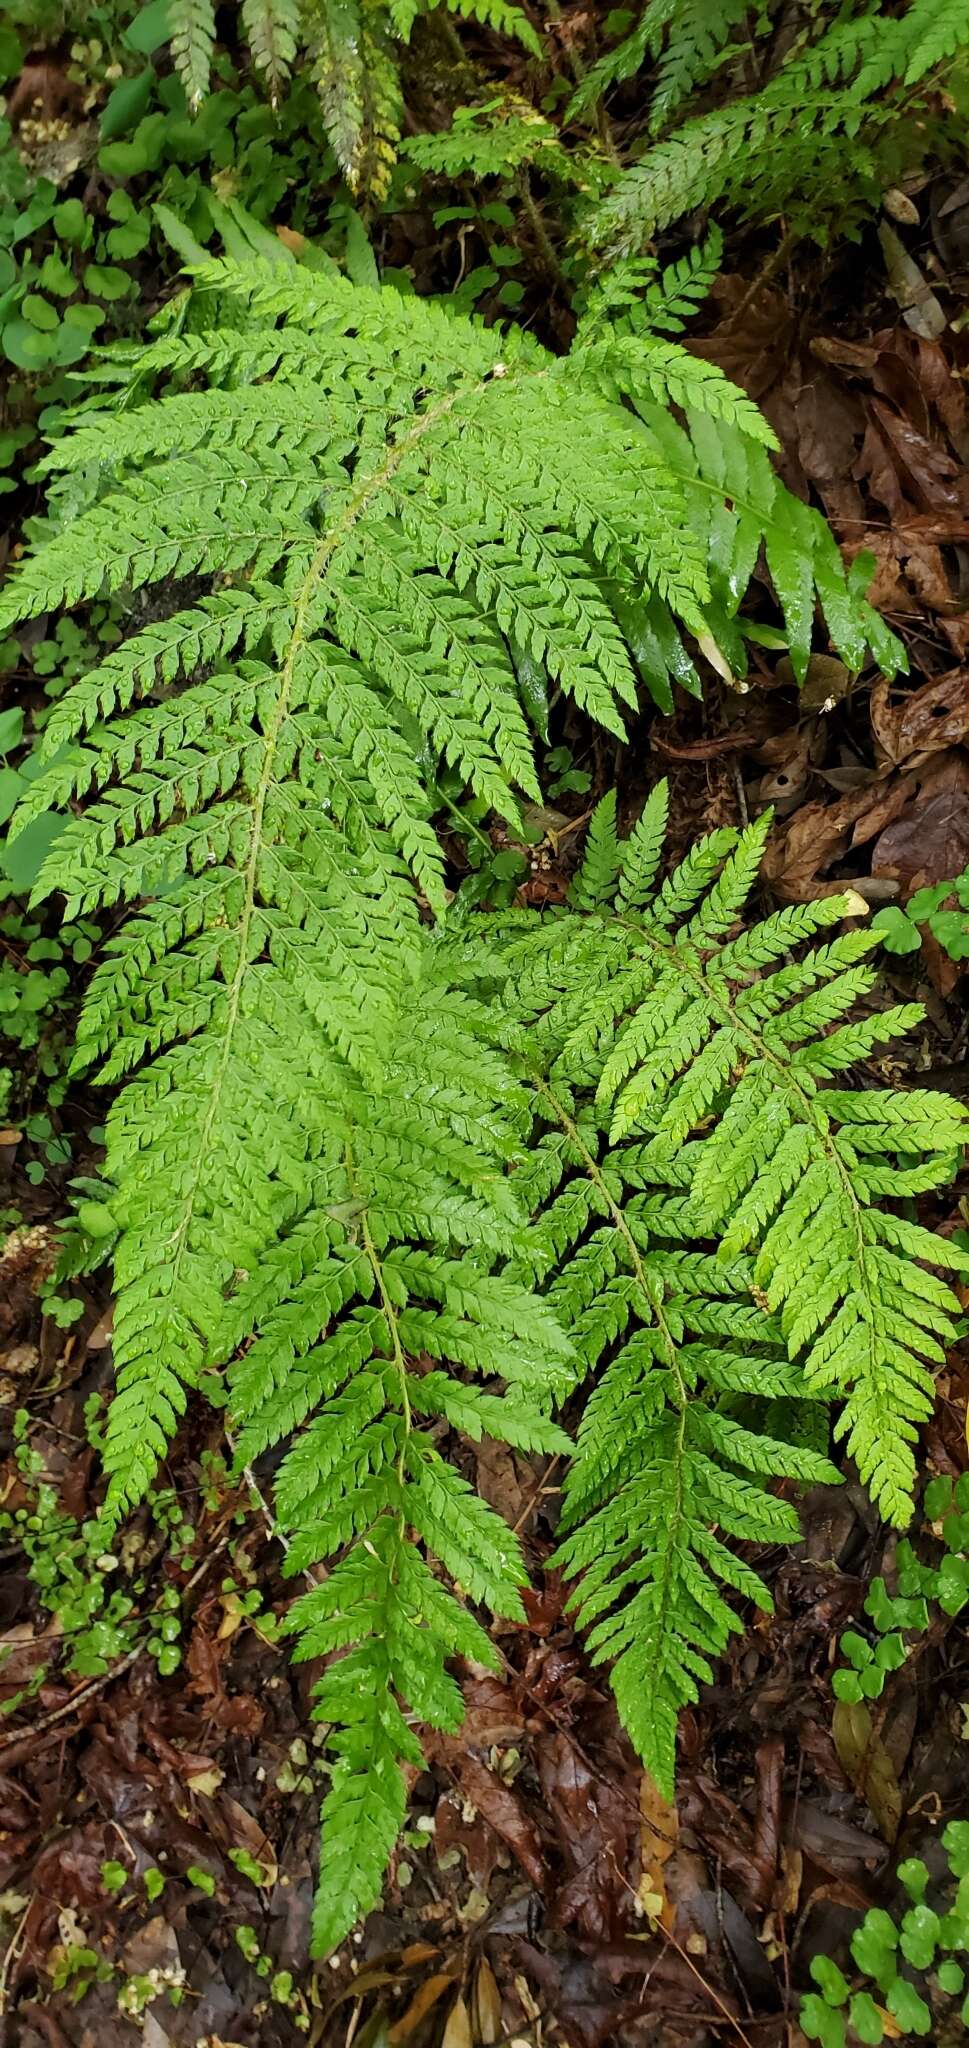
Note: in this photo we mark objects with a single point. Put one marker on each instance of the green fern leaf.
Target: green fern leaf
(191, 25)
(820, 133)
(714, 1369)
(272, 30)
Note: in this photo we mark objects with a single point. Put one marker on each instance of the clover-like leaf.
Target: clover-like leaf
(866, 2019)
(937, 1498)
(832, 1981)
(955, 1842)
(919, 1936)
(873, 1946)
(820, 2022)
(906, 2006)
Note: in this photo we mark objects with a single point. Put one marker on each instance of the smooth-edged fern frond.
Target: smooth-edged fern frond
(732, 1278)
(826, 127)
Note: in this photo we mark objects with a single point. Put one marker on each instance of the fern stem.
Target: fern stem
(764, 276)
(550, 261)
(399, 1360)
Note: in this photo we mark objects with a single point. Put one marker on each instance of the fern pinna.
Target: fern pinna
(737, 1280)
(383, 1318)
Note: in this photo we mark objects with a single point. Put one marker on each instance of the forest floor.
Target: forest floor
(538, 1895)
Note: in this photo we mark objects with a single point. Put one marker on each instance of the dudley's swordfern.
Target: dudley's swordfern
(732, 1280)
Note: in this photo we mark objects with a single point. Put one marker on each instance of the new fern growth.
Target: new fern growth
(713, 1227)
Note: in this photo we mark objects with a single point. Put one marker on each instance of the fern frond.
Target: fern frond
(633, 300)
(318, 1153)
(271, 28)
(250, 762)
(800, 144)
(191, 25)
(405, 505)
(685, 37)
(696, 37)
(650, 1019)
(933, 31)
(613, 67)
(503, 17)
(488, 142)
(333, 36)
(350, 1307)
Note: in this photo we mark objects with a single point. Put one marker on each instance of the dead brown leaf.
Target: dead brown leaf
(424, 2000)
(486, 2006)
(659, 1835)
(819, 834)
(866, 1760)
(241, 1714)
(596, 1824)
(921, 722)
(930, 471)
(504, 1481)
(492, 1713)
(457, 2033)
(472, 1837)
(503, 1809)
(751, 340)
(246, 1833)
(767, 1822)
(929, 841)
(153, 1947)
